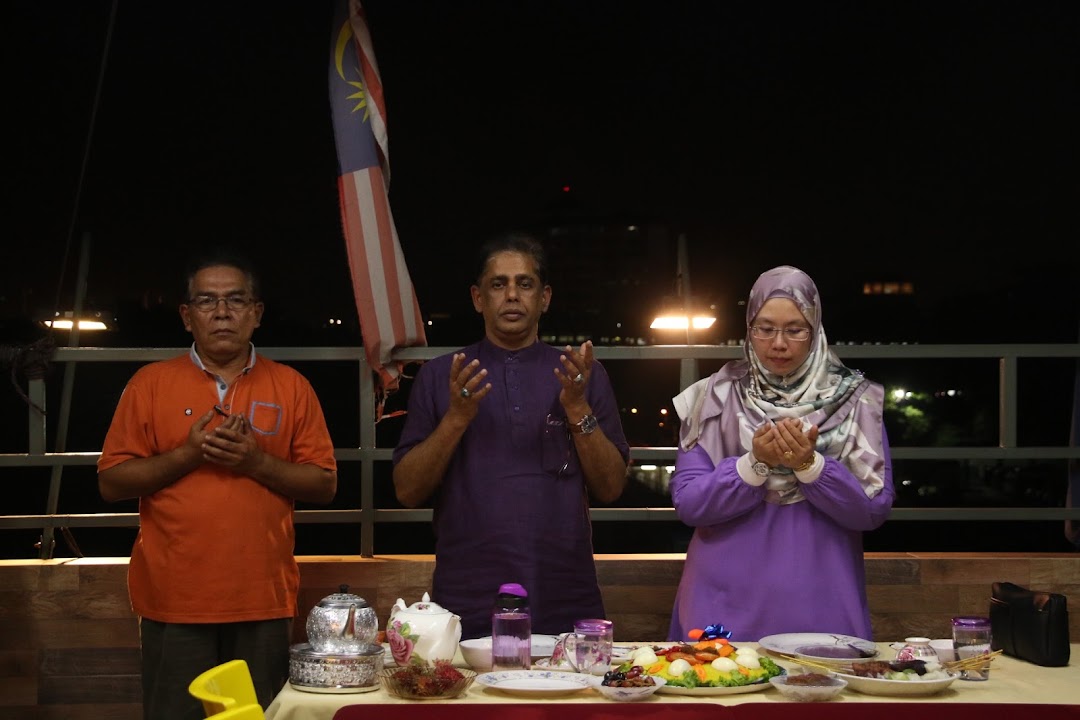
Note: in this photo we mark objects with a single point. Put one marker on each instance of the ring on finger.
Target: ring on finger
(788, 455)
(465, 392)
(579, 378)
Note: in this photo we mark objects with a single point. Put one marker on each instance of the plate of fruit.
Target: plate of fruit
(629, 684)
(706, 667)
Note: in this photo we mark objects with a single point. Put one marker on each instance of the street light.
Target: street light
(679, 319)
(66, 321)
(684, 315)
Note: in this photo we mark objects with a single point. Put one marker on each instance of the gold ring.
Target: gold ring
(788, 455)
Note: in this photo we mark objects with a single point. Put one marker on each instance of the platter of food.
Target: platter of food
(706, 691)
(704, 668)
(824, 646)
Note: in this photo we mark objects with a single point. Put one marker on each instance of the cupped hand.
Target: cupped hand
(467, 387)
(574, 376)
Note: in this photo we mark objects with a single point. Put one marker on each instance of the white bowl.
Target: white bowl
(629, 694)
(477, 651)
(945, 649)
(829, 688)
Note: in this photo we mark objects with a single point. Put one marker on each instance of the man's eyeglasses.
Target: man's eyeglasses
(209, 303)
(795, 334)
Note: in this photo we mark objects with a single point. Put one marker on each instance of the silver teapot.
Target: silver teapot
(342, 623)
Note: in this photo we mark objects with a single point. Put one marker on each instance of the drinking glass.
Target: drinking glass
(588, 647)
(971, 636)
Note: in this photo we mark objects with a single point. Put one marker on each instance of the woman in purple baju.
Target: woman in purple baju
(783, 463)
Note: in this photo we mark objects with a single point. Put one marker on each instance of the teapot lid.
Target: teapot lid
(424, 606)
(343, 599)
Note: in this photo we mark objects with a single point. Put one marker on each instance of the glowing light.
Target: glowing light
(83, 324)
(681, 322)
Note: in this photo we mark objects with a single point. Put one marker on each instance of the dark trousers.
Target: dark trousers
(175, 654)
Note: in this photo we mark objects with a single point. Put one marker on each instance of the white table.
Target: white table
(1012, 683)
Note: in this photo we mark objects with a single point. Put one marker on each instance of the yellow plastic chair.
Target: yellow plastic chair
(244, 712)
(225, 687)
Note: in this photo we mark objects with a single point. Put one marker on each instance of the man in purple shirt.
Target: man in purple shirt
(509, 437)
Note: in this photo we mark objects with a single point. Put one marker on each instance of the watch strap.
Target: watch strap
(586, 425)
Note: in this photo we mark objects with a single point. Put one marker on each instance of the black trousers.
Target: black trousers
(175, 654)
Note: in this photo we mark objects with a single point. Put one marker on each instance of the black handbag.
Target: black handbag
(1029, 624)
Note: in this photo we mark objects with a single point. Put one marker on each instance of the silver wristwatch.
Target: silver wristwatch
(585, 425)
(760, 469)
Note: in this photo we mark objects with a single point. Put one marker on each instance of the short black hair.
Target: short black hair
(221, 257)
(519, 242)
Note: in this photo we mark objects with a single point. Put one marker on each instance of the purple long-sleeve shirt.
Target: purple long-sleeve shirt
(513, 506)
(761, 568)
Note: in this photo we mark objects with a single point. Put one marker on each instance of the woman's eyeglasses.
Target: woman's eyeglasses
(764, 332)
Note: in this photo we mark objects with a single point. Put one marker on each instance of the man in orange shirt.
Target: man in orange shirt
(217, 444)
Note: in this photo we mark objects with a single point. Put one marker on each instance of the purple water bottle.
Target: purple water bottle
(511, 629)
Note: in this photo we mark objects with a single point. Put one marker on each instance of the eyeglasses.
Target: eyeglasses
(209, 303)
(795, 334)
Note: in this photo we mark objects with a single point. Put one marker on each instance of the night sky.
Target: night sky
(887, 140)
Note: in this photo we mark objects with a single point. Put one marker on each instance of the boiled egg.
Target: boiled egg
(678, 667)
(748, 660)
(725, 664)
(643, 656)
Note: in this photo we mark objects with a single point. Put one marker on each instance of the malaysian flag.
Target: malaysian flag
(385, 297)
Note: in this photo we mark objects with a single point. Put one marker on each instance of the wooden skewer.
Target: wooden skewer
(845, 667)
(833, 666)
(973, 662)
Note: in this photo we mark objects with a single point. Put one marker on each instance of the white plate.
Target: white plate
(536, 683)
(892, 688)
(789, 644)
(545, 664)
(758, 686)
(619, 654)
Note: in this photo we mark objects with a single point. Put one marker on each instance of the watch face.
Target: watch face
(588, 424)
(761, 469)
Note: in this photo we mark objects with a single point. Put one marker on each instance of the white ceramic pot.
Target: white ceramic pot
(422, 632)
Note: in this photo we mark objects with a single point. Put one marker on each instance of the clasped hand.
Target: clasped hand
(231, 444)
(784, 443)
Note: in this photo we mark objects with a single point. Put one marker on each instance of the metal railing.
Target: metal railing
(367, 453)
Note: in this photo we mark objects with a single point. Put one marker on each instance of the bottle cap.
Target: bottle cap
(513, 589)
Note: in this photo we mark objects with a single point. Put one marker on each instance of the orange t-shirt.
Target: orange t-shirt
(216, 546)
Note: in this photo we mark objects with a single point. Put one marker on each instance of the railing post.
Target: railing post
(1008, 401)
(36, 415)
(367, 462)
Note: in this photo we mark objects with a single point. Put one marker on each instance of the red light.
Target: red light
(566, 188)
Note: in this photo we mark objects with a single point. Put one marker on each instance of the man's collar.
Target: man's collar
(194, 355)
